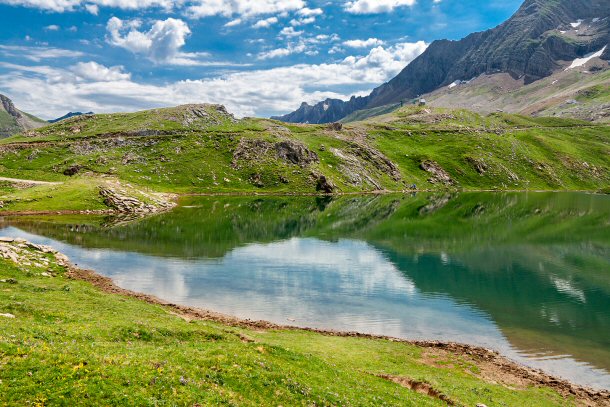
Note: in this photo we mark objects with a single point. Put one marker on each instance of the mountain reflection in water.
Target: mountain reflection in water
(526, 274)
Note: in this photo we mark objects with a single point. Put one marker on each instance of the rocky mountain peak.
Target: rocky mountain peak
(541, 38)
(9, 107)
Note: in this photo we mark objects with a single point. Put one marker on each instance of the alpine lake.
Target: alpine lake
(526, 274)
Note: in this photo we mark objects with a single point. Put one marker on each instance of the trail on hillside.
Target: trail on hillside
(29, 181)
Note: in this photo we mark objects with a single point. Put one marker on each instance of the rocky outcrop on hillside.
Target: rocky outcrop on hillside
(13, 121)
(543, 36)
(123, 202)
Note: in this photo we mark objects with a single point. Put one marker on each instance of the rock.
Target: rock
(478, 164)
(257, 181)
(7, 315)
(481, 405)
(324, 185)
(73, 170)
(295, 153)
(336, 126)
(439, 175)
(7, 239)
(124, 204)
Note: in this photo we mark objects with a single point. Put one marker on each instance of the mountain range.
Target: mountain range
(542, 38)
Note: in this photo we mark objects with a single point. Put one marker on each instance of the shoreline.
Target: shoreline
(536, 377)
(175, 197)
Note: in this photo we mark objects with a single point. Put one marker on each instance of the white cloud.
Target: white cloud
(290, 32)
(37, 54)
(52, 27)
(302, 21)
(375, 6)
(265, 23)
(50, 92)
(282, 52)
(61, 6)
(160, 44)
(308, 12)
(234, 22)
(246, 8)
(371, 42)
(92, 71)
(92, 8)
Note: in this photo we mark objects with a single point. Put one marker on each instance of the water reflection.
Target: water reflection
(528, 275)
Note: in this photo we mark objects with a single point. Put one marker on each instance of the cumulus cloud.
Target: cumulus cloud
(371, 42)
(161, 44)
(265, 23)
(92, 71)
(49, 91)
(375, 6)
(290, 32)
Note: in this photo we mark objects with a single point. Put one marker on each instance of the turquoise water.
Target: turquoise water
(525, 274)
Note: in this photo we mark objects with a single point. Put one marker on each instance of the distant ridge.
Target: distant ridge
(68, 115)
(541, 38)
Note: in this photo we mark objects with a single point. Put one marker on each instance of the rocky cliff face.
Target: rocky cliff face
(535, 42)
(13, 121)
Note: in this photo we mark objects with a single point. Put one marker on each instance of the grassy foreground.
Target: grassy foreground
(203, 149)
(65, 342)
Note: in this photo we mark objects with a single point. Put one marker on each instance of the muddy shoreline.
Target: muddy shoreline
(498, 368)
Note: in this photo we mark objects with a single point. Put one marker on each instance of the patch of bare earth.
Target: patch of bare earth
(419, 387)
(496, 369)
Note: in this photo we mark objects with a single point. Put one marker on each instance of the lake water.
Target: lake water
(527, 274)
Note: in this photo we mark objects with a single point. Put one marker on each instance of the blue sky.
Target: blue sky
(258, 57)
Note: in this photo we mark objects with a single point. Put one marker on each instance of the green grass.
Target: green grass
(170, 150)
(71, 344)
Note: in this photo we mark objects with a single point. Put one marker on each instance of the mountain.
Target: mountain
(13, 121)
(68, 115)
(542, 37)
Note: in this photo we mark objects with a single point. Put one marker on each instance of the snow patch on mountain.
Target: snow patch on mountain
(582, 61)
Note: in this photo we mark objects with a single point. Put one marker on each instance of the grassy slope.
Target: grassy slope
(71, 344)
(169, 150)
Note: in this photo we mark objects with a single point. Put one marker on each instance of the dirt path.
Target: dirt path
(29, 181)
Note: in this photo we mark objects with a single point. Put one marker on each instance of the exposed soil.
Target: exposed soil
(493, 367)
(28, 181)
(419, 387)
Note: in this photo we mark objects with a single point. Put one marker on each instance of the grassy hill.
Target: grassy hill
(204, 149)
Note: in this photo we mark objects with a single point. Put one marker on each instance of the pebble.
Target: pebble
(7, 315)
